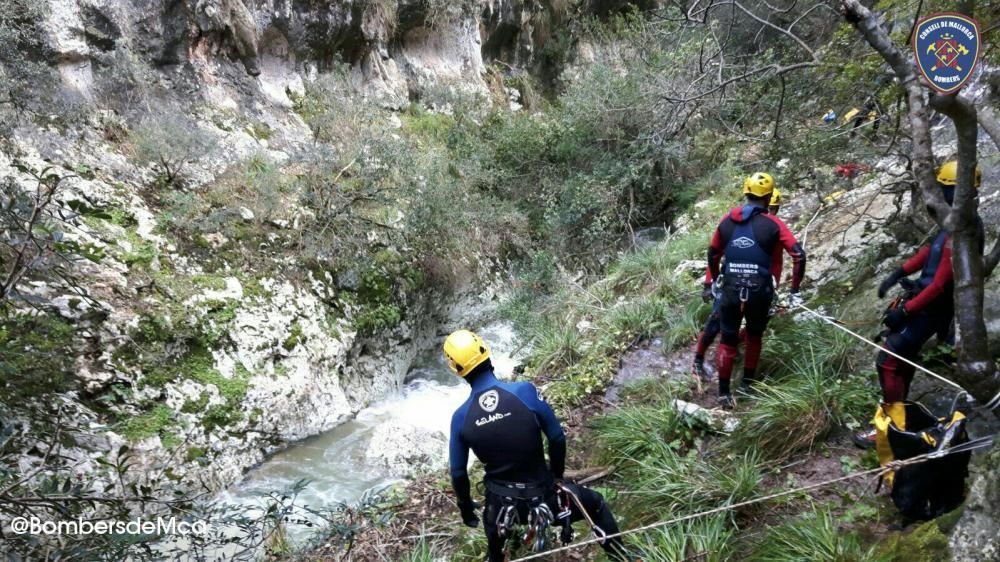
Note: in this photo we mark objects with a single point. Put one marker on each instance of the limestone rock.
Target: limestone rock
(977, 535)
(405, 450)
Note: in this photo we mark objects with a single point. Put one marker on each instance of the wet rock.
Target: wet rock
(406, 450)
(976, 538)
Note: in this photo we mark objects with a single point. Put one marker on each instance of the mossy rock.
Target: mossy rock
(148, 424)
(925, 543)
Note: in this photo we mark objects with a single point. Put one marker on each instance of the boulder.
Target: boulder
(405, 450)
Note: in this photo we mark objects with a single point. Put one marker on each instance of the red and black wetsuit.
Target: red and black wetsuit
(713, 325)
(751, 241)
(928, 312)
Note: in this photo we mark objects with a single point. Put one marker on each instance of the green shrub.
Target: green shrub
(168, 140)
(36, 355)
(556, 345)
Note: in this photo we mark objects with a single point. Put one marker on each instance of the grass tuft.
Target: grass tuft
(791, 413)
(709, 540)
(815, 537)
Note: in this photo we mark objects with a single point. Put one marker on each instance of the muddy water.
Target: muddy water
(334, 462)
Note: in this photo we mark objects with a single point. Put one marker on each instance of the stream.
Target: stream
(334, 462)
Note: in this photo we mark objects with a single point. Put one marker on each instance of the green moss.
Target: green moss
(122, 218)
(169, 439)
(925, 543)
(220, 417)
(148, 424)
(195, 406)
(260, 131)
(195, 453)
(141, 252)
(233, 389)
(215, 322)
(295, 336)
(214, 282)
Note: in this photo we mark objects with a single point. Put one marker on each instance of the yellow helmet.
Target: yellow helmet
(465, 351)
(948, 173)
(759, 184)
(776, 198)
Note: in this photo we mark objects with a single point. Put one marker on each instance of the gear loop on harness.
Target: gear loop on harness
(598, 532)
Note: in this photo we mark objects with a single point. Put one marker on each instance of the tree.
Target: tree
(976, 370)
(169, 141)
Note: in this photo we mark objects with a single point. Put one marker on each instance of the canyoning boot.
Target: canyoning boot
(698, 370)
(726, 401)
(864, 439)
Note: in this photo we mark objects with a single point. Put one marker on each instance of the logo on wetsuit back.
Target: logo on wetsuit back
(488, 400)
(743, 242)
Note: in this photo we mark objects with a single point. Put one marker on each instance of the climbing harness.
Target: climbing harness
(972, 445)
(598, 532)
(521, 499)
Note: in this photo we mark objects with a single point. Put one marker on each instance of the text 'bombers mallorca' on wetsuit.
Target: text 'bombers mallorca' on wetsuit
(503, 423)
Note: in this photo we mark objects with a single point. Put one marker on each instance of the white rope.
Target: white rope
(994, 402)
(969, 446)
(828, 320)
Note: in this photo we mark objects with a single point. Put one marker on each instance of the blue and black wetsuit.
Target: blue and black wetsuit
(503, 423)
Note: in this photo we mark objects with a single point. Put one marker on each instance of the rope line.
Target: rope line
(994, 402)
(979, 443)
(830, 321)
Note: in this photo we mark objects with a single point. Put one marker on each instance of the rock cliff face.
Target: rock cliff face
(277, 355)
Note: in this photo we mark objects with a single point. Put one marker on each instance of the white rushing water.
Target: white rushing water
(334, 462)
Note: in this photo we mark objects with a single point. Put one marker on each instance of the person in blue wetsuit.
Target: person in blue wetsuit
(503, 424)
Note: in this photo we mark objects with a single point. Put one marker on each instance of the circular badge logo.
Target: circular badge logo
(488, 400)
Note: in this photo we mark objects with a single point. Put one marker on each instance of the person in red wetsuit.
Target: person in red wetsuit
(746, 249)
(711, 294)
(926, 310)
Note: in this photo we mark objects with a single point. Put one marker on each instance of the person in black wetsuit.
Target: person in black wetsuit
(503, 423)
(746, 249)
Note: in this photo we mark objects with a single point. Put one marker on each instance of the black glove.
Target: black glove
(706, 293)
(895, 318)
(890, 281)
(469, 516)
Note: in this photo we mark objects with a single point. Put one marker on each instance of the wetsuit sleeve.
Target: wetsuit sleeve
(458, 460)
(794, 249)
(916, 263)
(777, 265)
(715, 251)
(942, 277)
(550, 426)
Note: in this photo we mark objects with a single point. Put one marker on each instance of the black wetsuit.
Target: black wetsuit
(503, 423)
